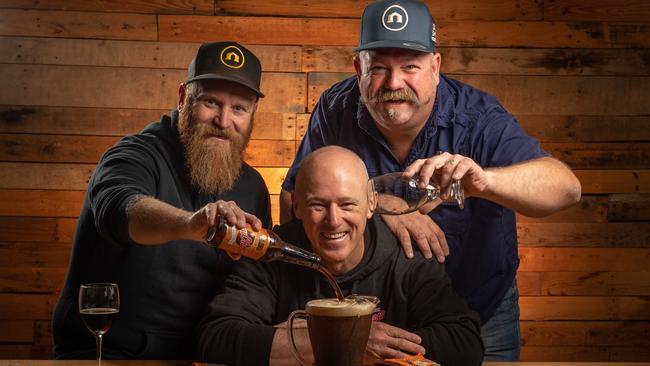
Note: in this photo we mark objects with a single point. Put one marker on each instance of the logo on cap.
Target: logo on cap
(232, 57)
(395, 18)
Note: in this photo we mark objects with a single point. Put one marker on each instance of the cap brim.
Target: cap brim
(228, 78)
(396, 44)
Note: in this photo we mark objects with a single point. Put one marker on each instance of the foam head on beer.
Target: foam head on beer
(354, 306)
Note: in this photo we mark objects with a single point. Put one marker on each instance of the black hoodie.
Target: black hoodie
(415, 294)
(164, 288)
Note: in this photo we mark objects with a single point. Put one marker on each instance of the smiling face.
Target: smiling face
(214, 124)
(331, 199)
(398, 87)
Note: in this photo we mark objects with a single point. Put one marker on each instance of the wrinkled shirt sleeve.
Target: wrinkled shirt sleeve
(126, 171)
(498, 140)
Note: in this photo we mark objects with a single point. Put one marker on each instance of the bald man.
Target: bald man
(419, 310)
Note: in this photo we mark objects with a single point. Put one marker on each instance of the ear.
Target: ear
(296, 210)
(372, 200)
(436, 61)
(181, 96)
(357, 66)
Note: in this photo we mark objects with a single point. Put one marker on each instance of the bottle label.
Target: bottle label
(245, 242)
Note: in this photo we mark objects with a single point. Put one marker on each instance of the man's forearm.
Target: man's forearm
(534, 188)
(152, 222)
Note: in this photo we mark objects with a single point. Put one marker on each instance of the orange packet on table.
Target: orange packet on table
(417, 360)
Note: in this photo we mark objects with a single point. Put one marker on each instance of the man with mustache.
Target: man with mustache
(400, 114)
(149, 205)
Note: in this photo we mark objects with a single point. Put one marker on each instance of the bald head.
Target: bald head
(331, 160)
(331, 199)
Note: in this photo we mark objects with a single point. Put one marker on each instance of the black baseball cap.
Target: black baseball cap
(397, 24)
(226, 61)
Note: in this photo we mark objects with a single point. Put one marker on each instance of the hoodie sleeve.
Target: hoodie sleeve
(450, 331)
(237, 327)
(126, 171)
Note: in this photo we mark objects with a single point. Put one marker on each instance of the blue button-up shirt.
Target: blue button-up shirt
(482, 237)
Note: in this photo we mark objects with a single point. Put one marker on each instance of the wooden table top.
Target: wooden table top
(187, 363)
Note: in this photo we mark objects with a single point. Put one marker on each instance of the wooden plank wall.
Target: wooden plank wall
(78, 74)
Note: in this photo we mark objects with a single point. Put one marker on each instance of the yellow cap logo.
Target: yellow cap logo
(232, 57)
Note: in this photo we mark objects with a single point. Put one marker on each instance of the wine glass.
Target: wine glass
(397, 195)
(98, 304)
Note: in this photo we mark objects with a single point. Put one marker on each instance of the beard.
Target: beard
(212, 168)
(405, 94)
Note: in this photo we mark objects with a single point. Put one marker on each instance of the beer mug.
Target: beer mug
(338, 330)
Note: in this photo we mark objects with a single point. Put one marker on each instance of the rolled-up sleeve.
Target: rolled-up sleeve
(126, 171)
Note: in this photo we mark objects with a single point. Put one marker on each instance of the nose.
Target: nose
(333, 217)
(222, 118)
(394, 80)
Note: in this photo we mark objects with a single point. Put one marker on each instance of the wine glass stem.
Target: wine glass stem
(99, 349)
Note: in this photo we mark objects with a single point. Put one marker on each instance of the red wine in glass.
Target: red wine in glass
(98, 304)
(98, 320)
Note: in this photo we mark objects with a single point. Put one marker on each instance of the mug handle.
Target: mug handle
(292, 343)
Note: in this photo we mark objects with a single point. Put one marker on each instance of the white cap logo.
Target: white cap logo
(395, 18)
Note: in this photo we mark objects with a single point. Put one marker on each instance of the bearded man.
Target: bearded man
(148, 208)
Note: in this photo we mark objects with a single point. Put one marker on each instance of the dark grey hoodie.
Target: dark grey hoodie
(415, 294)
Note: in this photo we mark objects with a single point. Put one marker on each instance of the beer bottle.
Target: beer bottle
(263, 245)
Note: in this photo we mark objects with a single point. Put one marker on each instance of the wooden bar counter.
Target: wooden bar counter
(187, 363)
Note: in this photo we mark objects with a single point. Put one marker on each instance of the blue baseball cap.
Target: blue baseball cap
(397, 24)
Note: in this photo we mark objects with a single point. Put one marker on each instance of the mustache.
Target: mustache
(210, 131)
(405, 94)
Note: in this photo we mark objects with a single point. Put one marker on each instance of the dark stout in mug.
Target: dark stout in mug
(339, 330)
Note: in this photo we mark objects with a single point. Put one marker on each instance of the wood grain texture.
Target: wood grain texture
(629, 207)
(585, 128)
(119, 122)
(26, 306)
(258, 30)
(155, 55)
(574, 234)
(34, 255)
(605, 10)
(584, 259)
(40, 203)
(583, 308)
(576, 333)
(503, 61)
(488, 10)
(79, 86)
(32, 279)
(128, 6)
(594, 283)
(88, 149)
(16, 331)
(344, 32)
(45, 176)
(273, 177)
(614, 155)
(614, 181)
(69, 24)
(15, 351)
(37, 229)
